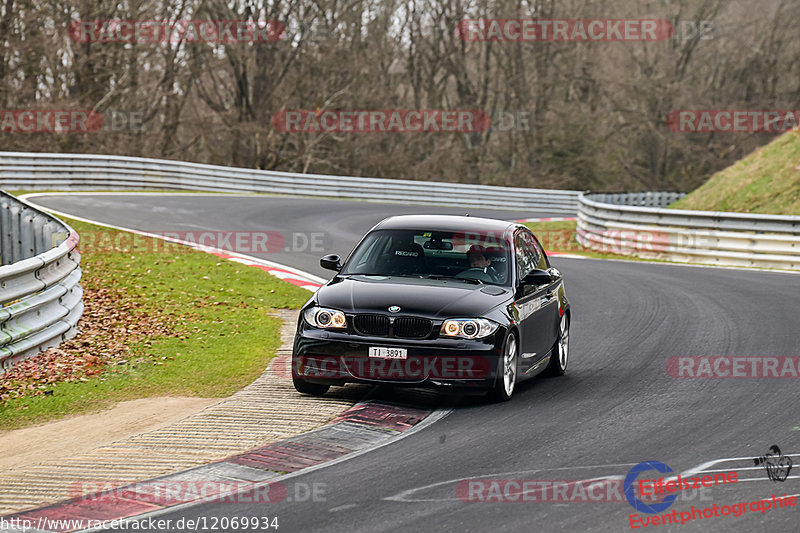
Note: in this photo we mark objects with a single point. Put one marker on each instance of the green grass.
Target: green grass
(222, 339)
(766, 181)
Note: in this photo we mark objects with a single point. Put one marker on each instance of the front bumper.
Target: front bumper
(336, 358)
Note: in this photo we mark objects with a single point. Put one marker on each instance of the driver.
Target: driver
(478, 259)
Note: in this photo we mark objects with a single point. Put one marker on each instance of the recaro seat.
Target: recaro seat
(406, 258)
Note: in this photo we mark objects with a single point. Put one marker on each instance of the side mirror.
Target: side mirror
(537, 277)
(331, 262)
(555, 273)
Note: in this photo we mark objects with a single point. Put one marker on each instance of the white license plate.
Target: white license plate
(388, 353)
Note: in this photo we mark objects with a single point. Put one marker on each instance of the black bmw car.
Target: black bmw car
(460, 303)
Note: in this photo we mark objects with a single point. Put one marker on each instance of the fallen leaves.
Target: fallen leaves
(112, 321)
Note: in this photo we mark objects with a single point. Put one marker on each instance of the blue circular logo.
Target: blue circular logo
(394, 308)
(629, 485)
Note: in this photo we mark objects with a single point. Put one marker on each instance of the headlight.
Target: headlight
(321, 317)
(469, 328)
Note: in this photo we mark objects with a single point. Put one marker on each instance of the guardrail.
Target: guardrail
(41, 299)
(37, 171)
(39, 292)
(616, 223)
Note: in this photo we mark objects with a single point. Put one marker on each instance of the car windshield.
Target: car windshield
(469, 256)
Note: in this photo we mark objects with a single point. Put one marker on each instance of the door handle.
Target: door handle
(554, 290)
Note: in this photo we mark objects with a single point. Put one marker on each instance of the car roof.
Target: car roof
(445, 223)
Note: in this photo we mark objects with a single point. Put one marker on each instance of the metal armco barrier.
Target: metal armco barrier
(617, 223)
(23, 170)
(39, 292)
(41, 299)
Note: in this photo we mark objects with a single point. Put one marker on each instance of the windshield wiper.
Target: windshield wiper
(362, 274)
(418, 276)
(468, 280)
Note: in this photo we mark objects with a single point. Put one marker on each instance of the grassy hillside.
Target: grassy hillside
(766, 181)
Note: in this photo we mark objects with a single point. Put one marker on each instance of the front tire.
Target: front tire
(314, 389)
(507, 378)
(560, 355)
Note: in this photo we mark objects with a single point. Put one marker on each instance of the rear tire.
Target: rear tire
(507, 377)
(560, 353)
(314, 389)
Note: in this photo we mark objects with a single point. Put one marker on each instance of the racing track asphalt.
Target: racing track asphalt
(616, 406)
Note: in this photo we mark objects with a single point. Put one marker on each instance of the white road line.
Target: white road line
(342, 507)
(309, 281)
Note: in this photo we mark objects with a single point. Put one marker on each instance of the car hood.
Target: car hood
(421, 297)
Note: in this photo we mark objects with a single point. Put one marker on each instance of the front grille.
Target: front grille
(414, 328)
(372, 324)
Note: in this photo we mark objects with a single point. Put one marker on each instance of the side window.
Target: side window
(542, 262)
(528, 254)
